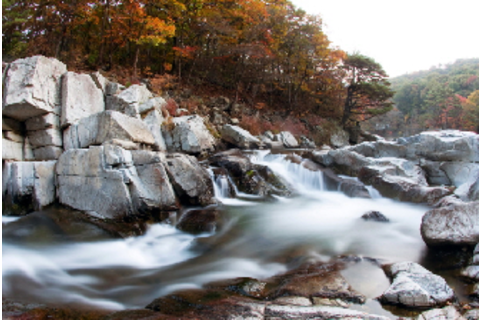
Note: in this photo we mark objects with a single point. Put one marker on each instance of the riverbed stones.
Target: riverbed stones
(81, 98)
(415, 287)
(199, 221)
(239, 137)
(188, 134)
(105, 126)
(27, 186)
(454, 224)
(32, 87)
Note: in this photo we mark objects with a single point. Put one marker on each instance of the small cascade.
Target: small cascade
(373, 192)
(296, 174)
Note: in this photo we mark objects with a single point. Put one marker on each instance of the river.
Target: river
(254, 242)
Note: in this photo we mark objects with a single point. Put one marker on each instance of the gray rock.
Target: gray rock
(446, 313)
(46, 153)
(12, 150)
(455, 224)
(46, 137)
(151, 189)
(9, 124)
(100, 81)
(375, 216)
(339, 139)
(239, 137)
(416, 287)
(49, 120)
(192, 182)
(154, 119)
(273, 311)
(472, 314)
(156, 103)
(288, 140)
(105, 126)
(188, 134)
(307, 143)
(32, 87)
(28, 186)
(80, 98)
(129, 100)
(110, 182)
(13, 136)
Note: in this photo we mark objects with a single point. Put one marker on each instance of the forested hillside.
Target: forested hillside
(442, 97)
(266, 54)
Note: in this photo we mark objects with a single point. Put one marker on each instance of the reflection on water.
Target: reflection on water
(258, 242)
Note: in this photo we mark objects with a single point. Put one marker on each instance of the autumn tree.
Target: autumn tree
(470, 112)
(368, 90)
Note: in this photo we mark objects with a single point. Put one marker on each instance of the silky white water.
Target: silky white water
(255, 241)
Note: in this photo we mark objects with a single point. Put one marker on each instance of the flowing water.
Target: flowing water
(256, 241)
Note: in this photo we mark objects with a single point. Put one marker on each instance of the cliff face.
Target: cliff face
(99, 147)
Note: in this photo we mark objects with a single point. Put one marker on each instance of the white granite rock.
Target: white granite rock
(80, 98)
(129, 100)
(188, 134)
(32, 87)
(28, 186)
(239, 137)
(415, 287)
(455, 224)
(288, 140)
(105, 126)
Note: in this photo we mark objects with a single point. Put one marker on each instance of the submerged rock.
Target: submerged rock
(375, 216)
(455, 224)
(198, 221)
(416, 287)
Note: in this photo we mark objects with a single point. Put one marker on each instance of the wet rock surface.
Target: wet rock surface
(416, 287)
(455, 224)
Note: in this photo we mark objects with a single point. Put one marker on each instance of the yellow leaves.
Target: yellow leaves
(155, 31)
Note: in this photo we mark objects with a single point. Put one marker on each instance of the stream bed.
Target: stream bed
(257, 240)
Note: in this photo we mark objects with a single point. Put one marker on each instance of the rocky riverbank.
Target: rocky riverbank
(119, 160)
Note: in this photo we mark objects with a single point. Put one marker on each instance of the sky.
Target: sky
(404, 36)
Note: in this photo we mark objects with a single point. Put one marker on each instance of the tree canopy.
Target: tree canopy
(265, 51)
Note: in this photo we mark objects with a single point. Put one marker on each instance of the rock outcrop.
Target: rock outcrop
(415, 287)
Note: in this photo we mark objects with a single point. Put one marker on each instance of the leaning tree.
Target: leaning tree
(368, 90)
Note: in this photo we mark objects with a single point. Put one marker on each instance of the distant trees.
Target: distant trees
(438, 98)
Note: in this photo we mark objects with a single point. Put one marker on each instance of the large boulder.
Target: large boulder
(191, 182)
(239, 137)
(188, 134)
(27, 186)
(32, 87)
(15, 146)
(415, 287)
(288, 139)
(455, 224)
(114, 183)
(81, 98)
(106, 126)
